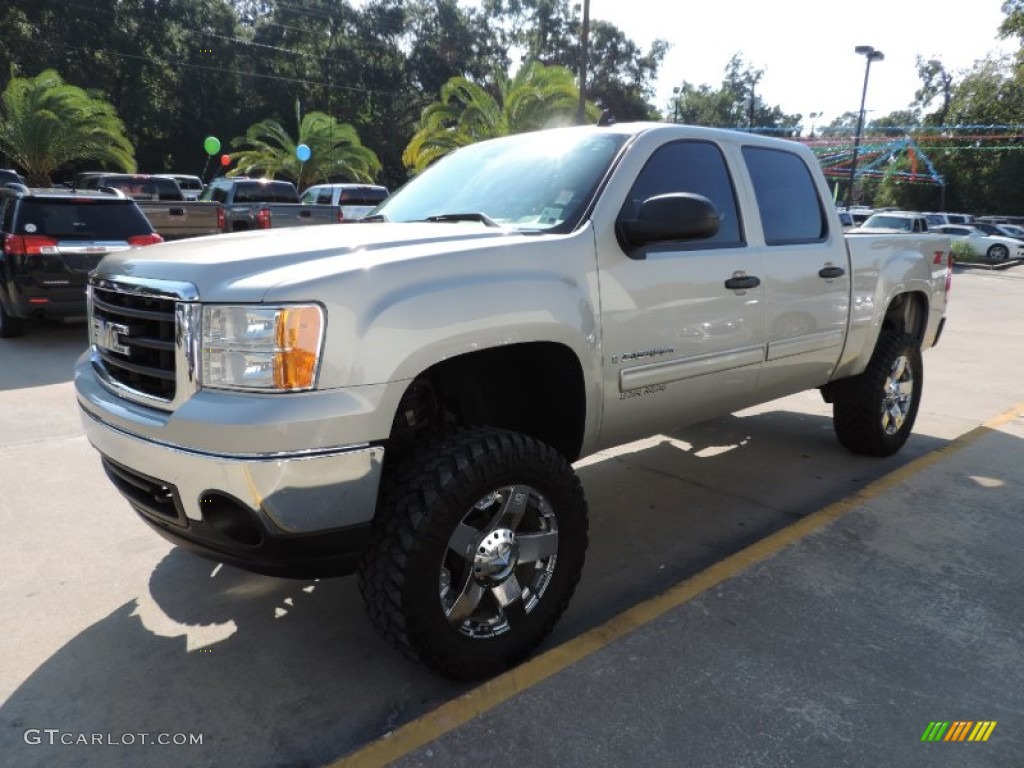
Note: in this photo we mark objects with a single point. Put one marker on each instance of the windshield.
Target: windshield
(534, 181)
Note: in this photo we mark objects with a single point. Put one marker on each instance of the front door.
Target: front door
(683, 322)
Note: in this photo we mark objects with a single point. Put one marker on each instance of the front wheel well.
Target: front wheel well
(534, 388)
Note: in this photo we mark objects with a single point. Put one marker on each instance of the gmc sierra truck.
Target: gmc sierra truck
(404, 397)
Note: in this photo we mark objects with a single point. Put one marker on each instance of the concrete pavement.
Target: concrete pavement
(834, 642)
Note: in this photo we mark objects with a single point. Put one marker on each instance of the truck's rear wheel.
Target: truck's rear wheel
(873, 413)
(478, 545)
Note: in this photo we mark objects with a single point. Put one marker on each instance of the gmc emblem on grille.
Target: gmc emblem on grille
(108, 335)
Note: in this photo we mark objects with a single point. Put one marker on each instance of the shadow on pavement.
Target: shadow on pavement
(45, 355)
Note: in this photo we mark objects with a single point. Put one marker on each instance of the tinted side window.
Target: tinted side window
(791, 211)
(324, 198)
(690, 166)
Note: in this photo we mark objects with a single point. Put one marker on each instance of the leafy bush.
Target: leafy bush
(964, 254)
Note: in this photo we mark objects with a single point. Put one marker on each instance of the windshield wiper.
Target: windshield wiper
(481, 217)
(374, 217)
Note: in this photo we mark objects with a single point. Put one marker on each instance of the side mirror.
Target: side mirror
(663, 218)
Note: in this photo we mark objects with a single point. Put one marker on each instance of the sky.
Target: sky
(806, 47)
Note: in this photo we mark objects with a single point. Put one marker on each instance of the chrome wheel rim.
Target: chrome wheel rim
(499, 561)
(898, 395)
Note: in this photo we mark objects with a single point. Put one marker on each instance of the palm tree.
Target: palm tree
(335, 151)
(46, 123)
(537, 97)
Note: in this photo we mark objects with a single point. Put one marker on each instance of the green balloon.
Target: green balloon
(212, 145)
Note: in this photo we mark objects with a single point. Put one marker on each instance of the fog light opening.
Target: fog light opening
(231, 518)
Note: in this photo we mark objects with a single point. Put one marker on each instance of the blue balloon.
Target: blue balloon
(303, 153)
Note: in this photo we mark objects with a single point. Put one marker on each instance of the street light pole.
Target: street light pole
(871, 55)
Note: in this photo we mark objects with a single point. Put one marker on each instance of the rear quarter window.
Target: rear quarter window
(791, 211)
(260, 192)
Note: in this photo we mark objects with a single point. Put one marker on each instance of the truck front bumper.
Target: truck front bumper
(287, 513)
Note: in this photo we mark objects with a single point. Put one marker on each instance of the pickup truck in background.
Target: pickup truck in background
(191, 186)
(355, 200)
(265, 204)
(162, 201)
(404, 397)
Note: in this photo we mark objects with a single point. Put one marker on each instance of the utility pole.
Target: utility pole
(581, 107)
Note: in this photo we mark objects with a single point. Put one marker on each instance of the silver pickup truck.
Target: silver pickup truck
(405, 397)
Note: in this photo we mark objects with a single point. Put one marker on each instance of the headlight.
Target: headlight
(270, 349)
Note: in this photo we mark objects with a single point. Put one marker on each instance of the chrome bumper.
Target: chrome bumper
(290, 492)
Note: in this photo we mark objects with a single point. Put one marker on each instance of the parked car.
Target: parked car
(8, 176)
(894, 222)
(994, 247)
(938, 219)
(49, 242)
(191, 186)
(162, 201)
(356, 200)
(1010, 230)
(265, 204)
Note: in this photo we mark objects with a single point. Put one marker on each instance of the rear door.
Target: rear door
(807, 273)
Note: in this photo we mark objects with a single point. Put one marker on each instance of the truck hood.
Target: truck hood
(245, 266)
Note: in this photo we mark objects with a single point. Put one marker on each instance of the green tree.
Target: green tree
(46, 123)
(335, 152)
(538, 96)
(936, 85)
(620, 76)
(735, 104)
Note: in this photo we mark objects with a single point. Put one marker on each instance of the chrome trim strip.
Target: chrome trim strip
(142, 286)
(307, 453)
(801, 345)
(187, 348)
(675, 370)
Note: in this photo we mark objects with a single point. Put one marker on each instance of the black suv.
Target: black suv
(49, 242)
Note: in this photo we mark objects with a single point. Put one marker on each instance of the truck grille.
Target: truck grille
(134, 335)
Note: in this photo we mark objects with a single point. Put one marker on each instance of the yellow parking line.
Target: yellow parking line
(498, 690)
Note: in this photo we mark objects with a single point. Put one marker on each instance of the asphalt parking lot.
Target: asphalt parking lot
(753, 595)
